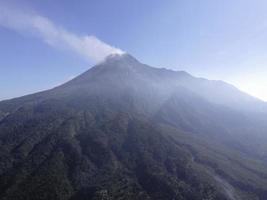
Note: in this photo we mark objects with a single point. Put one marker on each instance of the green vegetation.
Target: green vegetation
(132, 133)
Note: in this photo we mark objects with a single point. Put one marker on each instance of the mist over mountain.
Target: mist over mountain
(125, 130)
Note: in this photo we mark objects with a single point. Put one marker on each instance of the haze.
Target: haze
(223, 40)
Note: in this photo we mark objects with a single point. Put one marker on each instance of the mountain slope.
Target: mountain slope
(125, 130)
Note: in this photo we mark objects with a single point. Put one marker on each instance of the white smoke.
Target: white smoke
(89, 47)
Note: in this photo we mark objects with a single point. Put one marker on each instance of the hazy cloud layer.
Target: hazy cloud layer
(89, 47)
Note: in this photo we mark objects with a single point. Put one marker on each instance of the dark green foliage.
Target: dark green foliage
(123, 131)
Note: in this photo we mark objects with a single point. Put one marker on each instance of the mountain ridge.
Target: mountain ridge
(125, 130)
(128, 64)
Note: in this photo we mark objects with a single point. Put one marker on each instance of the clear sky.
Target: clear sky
(45, 43)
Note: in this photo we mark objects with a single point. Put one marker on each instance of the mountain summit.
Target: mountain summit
(123, 70)
(125, 130)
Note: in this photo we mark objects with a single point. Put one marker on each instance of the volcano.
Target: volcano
(125, 130)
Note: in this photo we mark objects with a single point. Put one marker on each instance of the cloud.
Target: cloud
(88, 47)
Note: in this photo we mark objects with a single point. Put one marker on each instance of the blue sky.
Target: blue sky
(215, 39)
